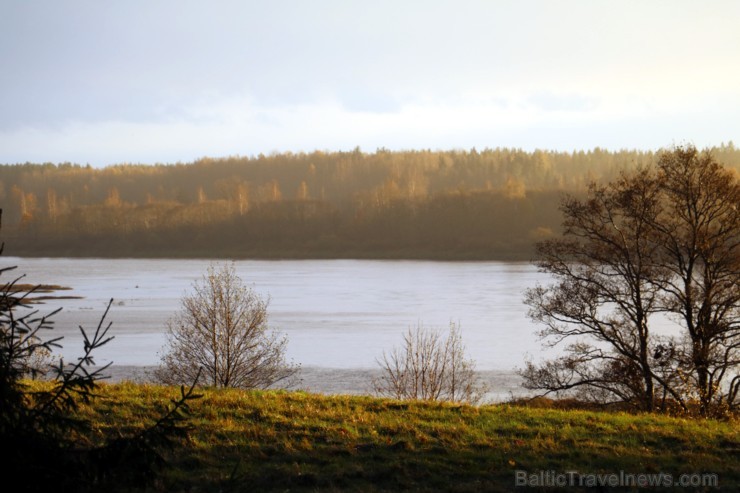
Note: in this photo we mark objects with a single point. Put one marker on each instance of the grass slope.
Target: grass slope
(293, 441)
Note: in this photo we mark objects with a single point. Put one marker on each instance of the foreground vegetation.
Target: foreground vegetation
(293, 441)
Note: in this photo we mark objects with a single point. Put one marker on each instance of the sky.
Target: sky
(164, 81)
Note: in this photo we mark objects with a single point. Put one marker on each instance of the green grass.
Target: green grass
(293, 441)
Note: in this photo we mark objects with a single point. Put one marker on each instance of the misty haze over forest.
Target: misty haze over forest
(488, 204)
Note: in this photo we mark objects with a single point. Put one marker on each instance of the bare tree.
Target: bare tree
(658, 240)
(700, 236)
(603, 295)
(429, 366)
(222, 328)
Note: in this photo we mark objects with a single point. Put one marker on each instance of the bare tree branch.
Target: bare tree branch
(222, 329)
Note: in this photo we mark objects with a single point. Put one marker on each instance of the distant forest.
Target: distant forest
(489, 204)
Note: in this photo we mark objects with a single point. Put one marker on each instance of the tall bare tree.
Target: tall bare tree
(658, 240)
(604, 293)
(700, 238)
(222, 328)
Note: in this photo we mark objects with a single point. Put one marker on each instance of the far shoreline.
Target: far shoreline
(402, 255)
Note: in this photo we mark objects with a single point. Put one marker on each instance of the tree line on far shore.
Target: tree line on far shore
(488, 204)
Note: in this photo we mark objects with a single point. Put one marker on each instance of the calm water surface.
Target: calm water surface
(337, 314)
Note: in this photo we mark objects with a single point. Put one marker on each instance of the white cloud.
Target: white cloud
(219, 127)
(232, 77)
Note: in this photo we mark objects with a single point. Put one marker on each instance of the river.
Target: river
(338, 315)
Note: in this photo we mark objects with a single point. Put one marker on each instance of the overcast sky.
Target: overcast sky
(105, 82)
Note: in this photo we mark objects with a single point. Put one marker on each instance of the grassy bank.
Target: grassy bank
(291, 441)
